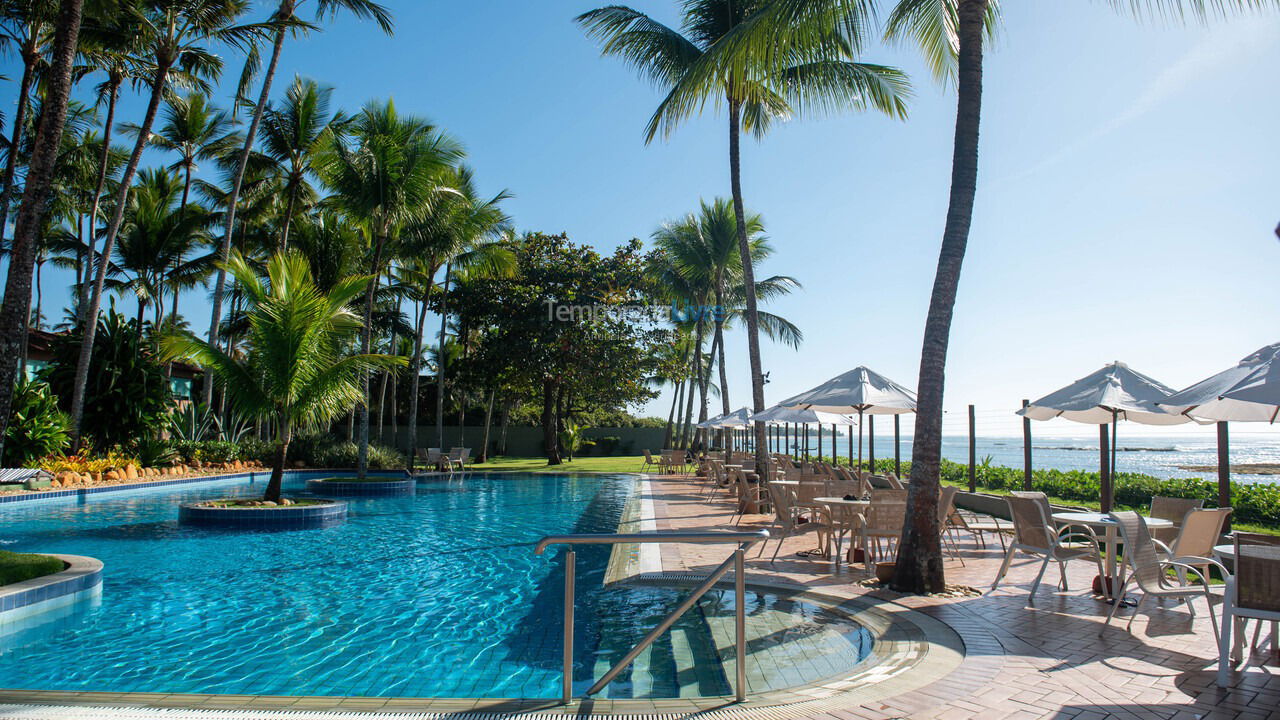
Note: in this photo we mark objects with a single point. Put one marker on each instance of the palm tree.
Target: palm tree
(392, 171)
(157, 235)
(291, 135)
(27, 25)
(111, 43)
(175, 33)
(818, 71)
(15, 308)
(294, 370)
(286, 20)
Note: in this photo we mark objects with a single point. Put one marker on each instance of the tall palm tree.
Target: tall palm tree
(175, 33)
(195, 130)
(292, 133)
(817, 71)
(28, 25)
(392, 170)
(286, 20)
(295, 370)
(15, 308)
(113, 44)
(459, 233)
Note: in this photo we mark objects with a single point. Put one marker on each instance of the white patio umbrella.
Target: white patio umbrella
(861, 391)
(735, 419)
(1248, 392)
(783, 415)
(1115, 392)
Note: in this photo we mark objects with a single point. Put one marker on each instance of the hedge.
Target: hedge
(1257, 503)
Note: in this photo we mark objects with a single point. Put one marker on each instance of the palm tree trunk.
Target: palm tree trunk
(35, 205)
(686, 436)
(382, 404)
(29, 59)
(113, 93)
(117, 215)
(366, 346)
(724, 374)
(263, 97)
(748, 278)
(440, 359)
(550, 440)
(488, 421)
(671, 415)
(288, 217)
(703, 378)
(39, 301)
(415, 367)
(277, 465)
(679, 429)
(919, 566)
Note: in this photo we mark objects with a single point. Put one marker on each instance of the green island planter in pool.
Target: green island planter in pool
(367, 487)
(303, 515)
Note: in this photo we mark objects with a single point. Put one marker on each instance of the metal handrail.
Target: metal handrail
(744, 539)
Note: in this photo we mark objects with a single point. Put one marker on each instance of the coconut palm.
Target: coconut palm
(28, 26)
(392, 169)
(175, 33)
(460, 233)
(291, 135)
(294, 369)
(286, 20)
(15, 308)
(818, 71)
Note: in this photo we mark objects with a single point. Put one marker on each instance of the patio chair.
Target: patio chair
(670, 460)
(430, 457)
(457, 457)
(946, 509)
(1148, 571)
(894, 482)
(1200, 531)
(649, 462)
(1252, 593)
(750, 494)
(1035, 535)
(1174, 510)
(786, 522)
(882, 520)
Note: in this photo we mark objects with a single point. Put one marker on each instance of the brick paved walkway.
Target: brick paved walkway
(1055, 659)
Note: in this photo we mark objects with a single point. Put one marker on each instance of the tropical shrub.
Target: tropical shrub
(154, 452)
(209, 451)
(87, 463)
(344, 455)
(127, 396)
(37, 427)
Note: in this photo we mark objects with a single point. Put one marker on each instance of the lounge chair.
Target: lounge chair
(1035, 535)
(1142, 556)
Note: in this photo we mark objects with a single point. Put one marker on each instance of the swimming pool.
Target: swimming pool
(435, 595)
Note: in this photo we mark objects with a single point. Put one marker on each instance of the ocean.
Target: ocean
(1160, 455)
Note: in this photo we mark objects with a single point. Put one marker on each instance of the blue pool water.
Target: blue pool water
(436, 595)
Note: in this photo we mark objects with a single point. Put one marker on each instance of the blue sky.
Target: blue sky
(1127, 188)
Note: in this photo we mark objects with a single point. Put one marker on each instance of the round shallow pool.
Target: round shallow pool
(434, 595)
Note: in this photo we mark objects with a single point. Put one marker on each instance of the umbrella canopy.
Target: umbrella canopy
(1248, 392)
(860, 390)
(1115, 392)
(735, 419)
(779, 414)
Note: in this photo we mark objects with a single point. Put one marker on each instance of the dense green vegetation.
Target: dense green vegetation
(16, 567)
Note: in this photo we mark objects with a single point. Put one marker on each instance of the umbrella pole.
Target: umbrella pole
(834, 459)
(871, 442)
(1224, 471)
(850, 448)
(859, 440)
(897, 445)
(819, 442)
(1104, 475)
(1113, 458)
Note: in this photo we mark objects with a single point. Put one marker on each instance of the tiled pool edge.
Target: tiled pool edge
(78, 492)
(82, 579)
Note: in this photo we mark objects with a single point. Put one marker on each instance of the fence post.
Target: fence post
(1026, 449)
(973, 454)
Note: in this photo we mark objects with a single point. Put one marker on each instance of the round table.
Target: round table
(849, 506)
(1102, 521)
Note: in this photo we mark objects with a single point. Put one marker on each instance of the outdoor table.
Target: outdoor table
(1227, 553)
(847, 508)
(1110, 537)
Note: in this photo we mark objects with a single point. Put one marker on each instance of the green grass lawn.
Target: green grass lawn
(581, 464)
(16, 567)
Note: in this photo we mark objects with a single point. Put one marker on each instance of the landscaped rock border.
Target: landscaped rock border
(339, 487)
(81, 579)
(284, 517)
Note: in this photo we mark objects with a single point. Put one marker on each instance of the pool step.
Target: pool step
(680, 663)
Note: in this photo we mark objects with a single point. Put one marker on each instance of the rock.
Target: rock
(95, 477)
(130, 472)
(299, 463)
(268, 503)
(113, 475)
(286, 501)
